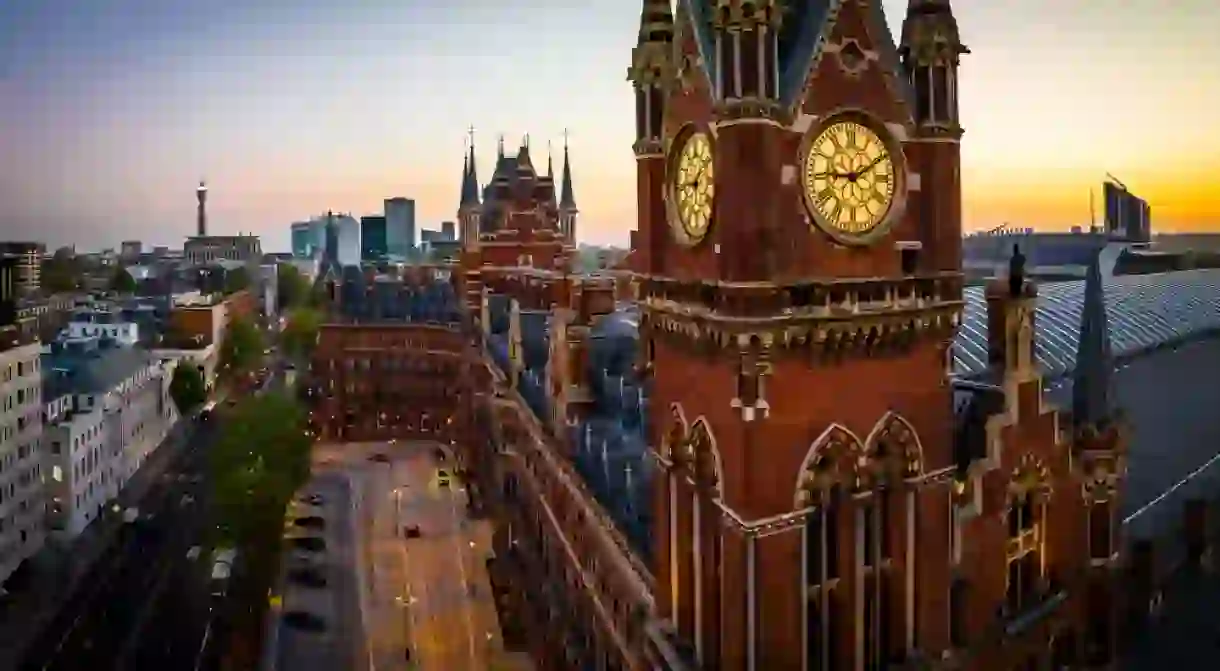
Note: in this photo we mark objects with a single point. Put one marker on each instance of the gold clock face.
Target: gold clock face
(692, 186)
(849, 180)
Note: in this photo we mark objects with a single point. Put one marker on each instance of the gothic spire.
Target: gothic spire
(1091, 385)
(567, 198)
(470, 179)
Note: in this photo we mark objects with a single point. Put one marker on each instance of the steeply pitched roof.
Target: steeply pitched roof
(567, 197)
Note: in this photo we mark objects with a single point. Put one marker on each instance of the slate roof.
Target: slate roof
(93, 372)
(386, 299)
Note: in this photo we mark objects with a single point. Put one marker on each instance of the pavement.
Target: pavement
(430, 595)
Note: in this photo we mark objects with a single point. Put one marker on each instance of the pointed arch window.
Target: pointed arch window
(875, 519)
(823, 607)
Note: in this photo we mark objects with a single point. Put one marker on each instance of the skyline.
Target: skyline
(114, 113)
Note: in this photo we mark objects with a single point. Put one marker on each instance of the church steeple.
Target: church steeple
(1092, 388)
(931, 50)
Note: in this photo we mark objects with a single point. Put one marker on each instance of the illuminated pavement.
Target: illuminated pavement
(431, 594)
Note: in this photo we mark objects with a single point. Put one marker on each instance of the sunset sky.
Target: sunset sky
(112, 110)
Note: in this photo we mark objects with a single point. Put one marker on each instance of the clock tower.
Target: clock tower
(799, 288)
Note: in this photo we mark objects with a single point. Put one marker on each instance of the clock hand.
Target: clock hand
(870, 166)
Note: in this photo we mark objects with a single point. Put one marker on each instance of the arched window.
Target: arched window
(824, 604)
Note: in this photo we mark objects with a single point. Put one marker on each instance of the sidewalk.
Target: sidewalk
(58, 570)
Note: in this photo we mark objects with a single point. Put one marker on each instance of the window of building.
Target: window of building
(958, 596)
(1101, 530)
(822, 534)
(1024, 554)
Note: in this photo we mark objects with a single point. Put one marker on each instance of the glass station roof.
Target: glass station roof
(1145, 311)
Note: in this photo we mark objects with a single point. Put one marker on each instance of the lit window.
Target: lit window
(1024, 551)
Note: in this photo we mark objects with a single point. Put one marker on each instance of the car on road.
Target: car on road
(308, 543)
(304, 621)
(442, 477)
(309, 576)
(313, 499)
(380, 458)
(193, 553)
(310, 522)
(411, 531)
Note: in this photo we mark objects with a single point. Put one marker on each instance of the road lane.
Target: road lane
(106, 617)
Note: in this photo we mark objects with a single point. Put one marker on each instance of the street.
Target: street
(148, 605)
(104, 628)
(429, 595)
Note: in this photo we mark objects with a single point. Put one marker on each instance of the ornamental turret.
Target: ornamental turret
(931, 51)
(746, 69)
(651, 71)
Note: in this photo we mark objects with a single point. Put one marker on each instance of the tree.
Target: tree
(122, 281)
(62, 272)
(258, 462)
(242, 345)
(188, 388)
(301, 332)
(292, 288)
(236, 279)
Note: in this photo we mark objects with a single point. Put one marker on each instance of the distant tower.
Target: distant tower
(201, 194)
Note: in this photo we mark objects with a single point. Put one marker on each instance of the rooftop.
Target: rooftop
(90, 368)
(1160, 328)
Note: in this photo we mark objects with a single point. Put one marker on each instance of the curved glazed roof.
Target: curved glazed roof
(1144, 311)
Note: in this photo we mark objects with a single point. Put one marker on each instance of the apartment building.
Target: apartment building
(21, 503)
(108, 409)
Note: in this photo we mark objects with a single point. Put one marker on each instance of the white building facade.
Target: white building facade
(22, 510)
(110, 410)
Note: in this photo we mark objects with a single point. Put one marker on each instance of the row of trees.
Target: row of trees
(259, 460)
(301, 302)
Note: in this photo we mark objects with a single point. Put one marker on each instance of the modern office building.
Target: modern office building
(400, 225)
(28, 257)
(304, 239)
(21, 502)
(347, 238)
(1127, 216)
(374, 237)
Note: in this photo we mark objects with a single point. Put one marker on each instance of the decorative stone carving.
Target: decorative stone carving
(1031, 476)
(893, 450)
(702, 448)
(835, 458)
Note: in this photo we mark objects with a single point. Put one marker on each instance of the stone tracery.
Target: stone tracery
(836, 457)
